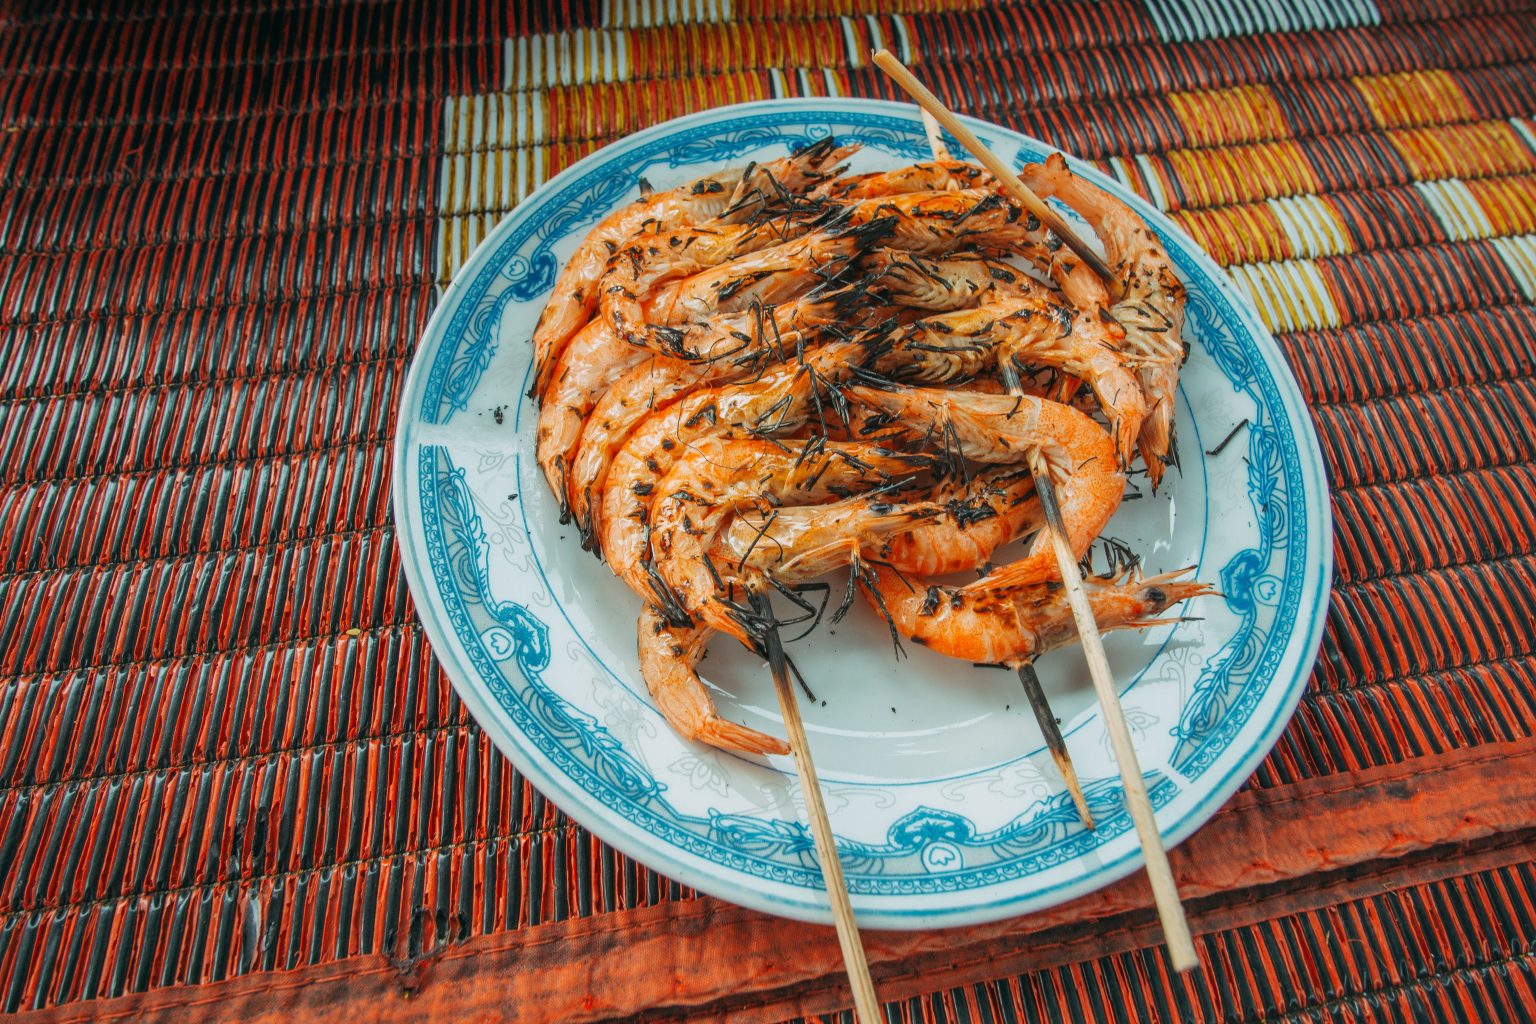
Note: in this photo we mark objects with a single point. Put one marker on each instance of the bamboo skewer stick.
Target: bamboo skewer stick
(1054, 741)
(865, 1003)
(1033, 203)
(1038, 703)
(1165, 891)
(935, 139)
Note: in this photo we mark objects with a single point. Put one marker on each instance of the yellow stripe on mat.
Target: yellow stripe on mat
(1519, 254)
(1477, 150)
(1224, 117)
(1217, 177)
(1313, 227)
(1398, 101)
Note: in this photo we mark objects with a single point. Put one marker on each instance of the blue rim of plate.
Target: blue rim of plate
(539, 736)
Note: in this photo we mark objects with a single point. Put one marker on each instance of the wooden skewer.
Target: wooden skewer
(1054, 741)
(1044, 716)
(865, 1003)
(1165, 891)
(1033, 203)
(935, 139)
(1038, 703)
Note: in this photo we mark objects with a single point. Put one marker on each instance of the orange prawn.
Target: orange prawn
(931, 176)
(1148, 299)
(719, 476)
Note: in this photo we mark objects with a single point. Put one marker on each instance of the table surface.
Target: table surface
(236, 782)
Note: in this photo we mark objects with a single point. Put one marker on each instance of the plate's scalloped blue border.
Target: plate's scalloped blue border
(1305, 532)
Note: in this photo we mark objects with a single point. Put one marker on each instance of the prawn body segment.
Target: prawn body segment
(1146, 303)
(944, 284)
(976, 517)
(739, 344)
(1010, 429)
(933, 223)
(775, 402)
(798, 543)
(1011, 335)
(932, 176)
(719, 476)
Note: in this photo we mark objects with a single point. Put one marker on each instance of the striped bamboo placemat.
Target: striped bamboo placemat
(233, 779)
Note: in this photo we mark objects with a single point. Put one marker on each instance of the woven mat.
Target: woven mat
(235, 780)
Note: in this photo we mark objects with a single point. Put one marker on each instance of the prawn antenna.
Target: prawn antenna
(871, 378)
(835, 219)
(811, 449)
(1119, 558)
(796, 595)
(951, 458)
(850, 591)
(794, 670)
(824, 387)
(757, 537)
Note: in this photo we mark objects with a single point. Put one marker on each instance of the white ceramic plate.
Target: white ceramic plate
(946, 808)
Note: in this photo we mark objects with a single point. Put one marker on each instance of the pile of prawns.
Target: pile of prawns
(781, 371)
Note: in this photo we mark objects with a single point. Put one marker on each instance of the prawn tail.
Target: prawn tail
(882, 521)
(543, 373)
(871, 233)
(1155, 462)
(733, 736)
(1125, 429)
(689, 710)
(831, 303)
(817, 163)
(854, 236)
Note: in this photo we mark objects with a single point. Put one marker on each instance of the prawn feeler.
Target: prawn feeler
(1165, 891)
